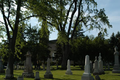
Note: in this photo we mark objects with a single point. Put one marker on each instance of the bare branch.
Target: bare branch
(70, 24)
(67, 15)
(28, 17)
(9, 23)
(77, 19)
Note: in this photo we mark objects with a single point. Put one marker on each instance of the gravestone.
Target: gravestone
(1, 66)
(20, 78)
(68, 72)
(43, 65)
(95, 71)
(100, 65)
(18, 67)
(28, 72)
(116, 68)
(48, 73)
(87, 75)
(37, 76)
(7, 72)
(91, 67)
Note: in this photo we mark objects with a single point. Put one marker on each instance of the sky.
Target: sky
(112, 11)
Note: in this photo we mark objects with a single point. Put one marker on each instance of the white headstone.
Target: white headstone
(37, 76)
(28, 72)
(87, 75)
(68, 68)
(116, 68)
(96, 70)
(48, 73)
(100, 65)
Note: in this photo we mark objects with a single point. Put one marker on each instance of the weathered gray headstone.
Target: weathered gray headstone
(48, 73)
(18, 67)
(68, 72)
(95, 71)
(1, 66)
(20, 78)
(116, 68)
(43, 65)
(91, 67)
(100, 65)
(37, 76)
(28, 72)
(87, 75)
(7, 72)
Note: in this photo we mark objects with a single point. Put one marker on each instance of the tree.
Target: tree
(68, 15)
(13, 18)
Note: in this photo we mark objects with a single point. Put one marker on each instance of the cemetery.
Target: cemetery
(59, 40)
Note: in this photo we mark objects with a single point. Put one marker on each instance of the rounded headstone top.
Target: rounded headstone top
(28, 53)
(116, 48)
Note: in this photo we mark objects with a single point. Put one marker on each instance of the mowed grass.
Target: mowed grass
(60, 74)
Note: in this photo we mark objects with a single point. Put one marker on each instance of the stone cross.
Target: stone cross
(87, 75)
(68, 68)
(48, 73)
(116, 68)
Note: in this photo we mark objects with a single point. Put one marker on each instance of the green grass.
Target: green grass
(60, 75)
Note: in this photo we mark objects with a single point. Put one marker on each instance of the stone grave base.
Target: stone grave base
(48, 75)
(87, 77)
(116, 69)
(68, 73)
(29, 75)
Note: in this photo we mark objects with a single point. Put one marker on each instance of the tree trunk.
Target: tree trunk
(66, 52)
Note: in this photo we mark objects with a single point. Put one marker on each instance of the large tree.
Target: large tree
(14, 14)
(68, 16)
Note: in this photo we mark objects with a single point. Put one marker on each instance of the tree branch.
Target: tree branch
(67, 15)
(9, 23)
(4, 18)
(28, 17)
(77, 20)
(70, 24)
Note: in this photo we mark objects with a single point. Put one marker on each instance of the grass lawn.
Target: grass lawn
(60, 75)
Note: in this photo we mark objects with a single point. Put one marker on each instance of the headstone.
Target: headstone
(43, 65)
(100, 65)
(7, 72)
(97, 77)
(91, 67)
(28, 72)
(20, 78)
(116, 68)
(37, 76)
(95, 71)
(18, 67)
(68, 72)
(87, 75)
(1, 66)
(48, 73)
